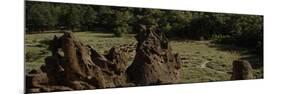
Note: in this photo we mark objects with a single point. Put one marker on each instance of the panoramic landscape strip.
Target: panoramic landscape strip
(81, 47)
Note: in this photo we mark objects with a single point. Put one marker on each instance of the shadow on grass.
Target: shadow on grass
(105, 36)
(255, 61)
(246, 54)
(43, 32)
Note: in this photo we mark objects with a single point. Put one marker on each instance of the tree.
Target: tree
(179, 21)
(40, 17)
(73, 18)
(248, 31)
(241, 30)
(89, 18)
(121, 22)
(105, 16)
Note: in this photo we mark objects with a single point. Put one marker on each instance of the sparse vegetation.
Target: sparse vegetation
(240, 30)
(207, 43)
(193, 54)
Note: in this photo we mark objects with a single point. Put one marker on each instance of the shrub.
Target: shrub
(31, 56)
(120, 31)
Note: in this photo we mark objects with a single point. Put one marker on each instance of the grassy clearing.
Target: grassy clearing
(203, 61)
(36, 50)
(206, 62)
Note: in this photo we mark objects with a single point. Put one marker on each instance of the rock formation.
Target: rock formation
(154, 62)
(241, 70)
(75, 66)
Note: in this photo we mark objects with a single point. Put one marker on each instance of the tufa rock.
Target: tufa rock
(154, 62)
(241, 70)
(75, 66)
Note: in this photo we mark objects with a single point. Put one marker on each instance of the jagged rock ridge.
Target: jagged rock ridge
(154, 62)
(76, 66)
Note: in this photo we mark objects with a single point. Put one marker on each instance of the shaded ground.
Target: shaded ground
(203, 61)
(207, 62)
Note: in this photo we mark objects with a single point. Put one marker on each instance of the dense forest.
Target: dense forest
(241, 30)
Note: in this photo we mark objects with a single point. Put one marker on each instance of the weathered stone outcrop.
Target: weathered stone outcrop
(241, 70)
(154, 62)
(75, 66)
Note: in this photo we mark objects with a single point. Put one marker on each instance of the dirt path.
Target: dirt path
(203, 65)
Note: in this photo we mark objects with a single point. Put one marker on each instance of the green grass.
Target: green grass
(193, 53)
(219, 58)
(102, 42)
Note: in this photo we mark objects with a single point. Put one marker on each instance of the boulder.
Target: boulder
(241, 70)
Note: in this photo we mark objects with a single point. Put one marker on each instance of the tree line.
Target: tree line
(241, 30)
